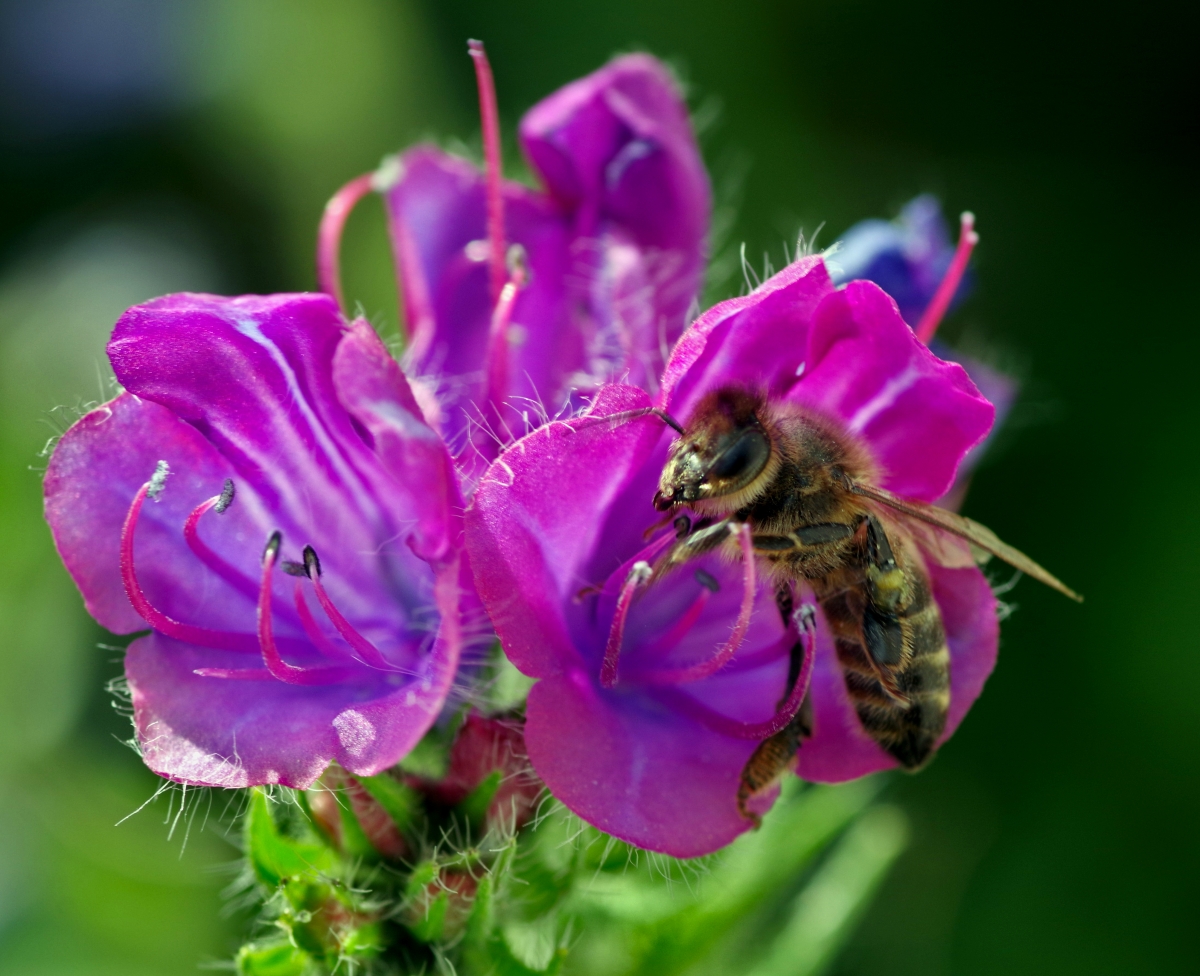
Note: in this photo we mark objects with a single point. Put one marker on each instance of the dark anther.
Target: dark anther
(312, 565)
(272, 547)
(683, 525)
(708, 581)
(226, 498)
(293, 569)
(158, 480)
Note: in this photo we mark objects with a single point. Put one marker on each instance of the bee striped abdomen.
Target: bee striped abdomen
(908, 718)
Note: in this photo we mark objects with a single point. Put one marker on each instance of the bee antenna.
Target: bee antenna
(667, 419)
(615, 419)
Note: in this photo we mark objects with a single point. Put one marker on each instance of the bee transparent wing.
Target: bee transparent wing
(965, 528)
(951, 551)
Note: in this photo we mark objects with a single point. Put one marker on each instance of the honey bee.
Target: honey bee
(805, 490)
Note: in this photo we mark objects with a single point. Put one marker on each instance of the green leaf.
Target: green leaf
(274, 857)
(740, 884)
(430, 758)
(354, 838)
(475, 806)
(401, 802)
(364, 942)
(281, 959)
(425, 913)
(827, 911)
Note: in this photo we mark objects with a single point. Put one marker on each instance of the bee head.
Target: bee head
(723, 452)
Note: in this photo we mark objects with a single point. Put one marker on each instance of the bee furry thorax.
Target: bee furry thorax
(741, 450)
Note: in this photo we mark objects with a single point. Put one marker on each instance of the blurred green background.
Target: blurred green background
(147, 147)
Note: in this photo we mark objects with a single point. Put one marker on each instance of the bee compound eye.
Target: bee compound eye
(743, 459)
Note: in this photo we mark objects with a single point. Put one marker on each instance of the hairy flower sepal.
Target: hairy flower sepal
(279, 424)
(562, 519)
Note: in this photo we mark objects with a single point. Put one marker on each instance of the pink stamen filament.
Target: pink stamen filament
(231, 575)
(934, 312)
(329, 236)
(158, 620)
(705, 669)
(368, 652)
(313, 629)
(724, 725)
(490, 121)
(497, 344)
(275, 663)
(670, 640)
(616, 632)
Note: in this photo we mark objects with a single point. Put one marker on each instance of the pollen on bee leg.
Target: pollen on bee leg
(638, 575)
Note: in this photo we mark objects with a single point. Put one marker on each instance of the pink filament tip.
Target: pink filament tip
(934, 312)
(490, 119)
(727, 650)
(616, 632)
(191, 534)
(497, 344)
(368, 653)
(329, 236)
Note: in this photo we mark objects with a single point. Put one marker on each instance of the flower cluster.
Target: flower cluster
(311, 535)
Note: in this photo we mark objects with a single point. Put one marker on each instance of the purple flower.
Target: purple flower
(264, 422)
(907, 257)
(614, 247)
(913, 260)
(655, 692)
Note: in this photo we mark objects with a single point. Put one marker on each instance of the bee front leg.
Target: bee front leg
(692, 543)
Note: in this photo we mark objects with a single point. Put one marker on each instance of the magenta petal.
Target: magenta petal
(96, 470)
(436, 213)
(618, 145)
(757, 341)
(639, 772)
(373, 388)
(973, 632)
(254, 375)
(839, 749)
(917, 414)
(225, 732)
(533, 524)
(615, 247)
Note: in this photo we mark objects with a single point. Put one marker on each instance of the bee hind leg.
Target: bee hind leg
(773, 757)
